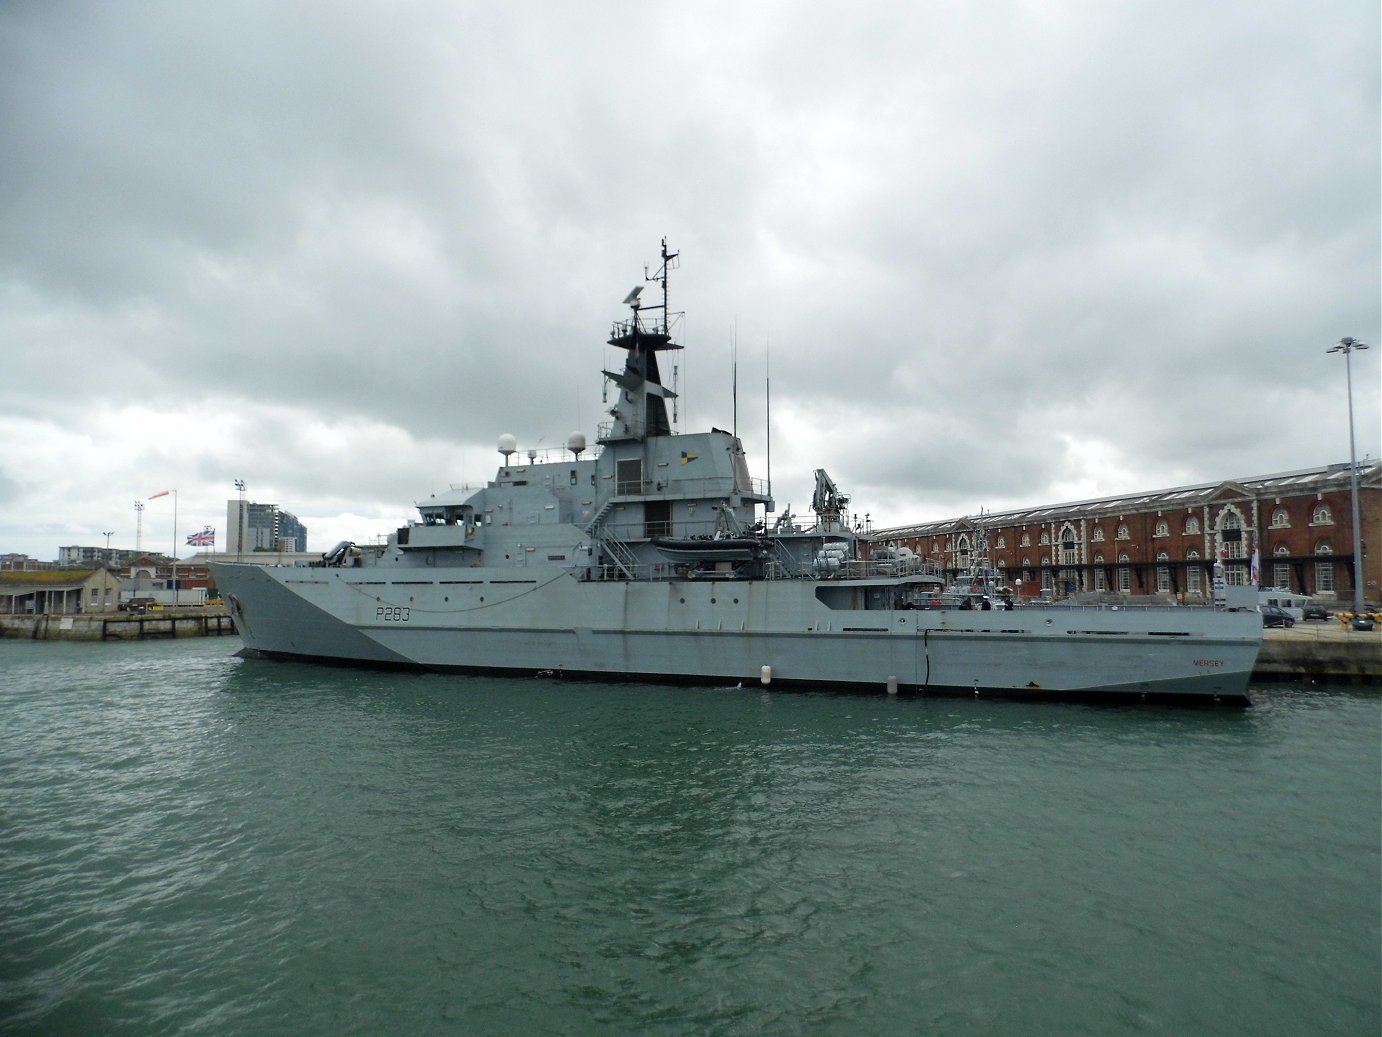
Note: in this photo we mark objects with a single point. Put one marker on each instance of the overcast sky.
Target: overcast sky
(991, 254)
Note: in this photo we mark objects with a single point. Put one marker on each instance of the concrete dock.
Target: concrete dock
(1320, 651)
(208, 621)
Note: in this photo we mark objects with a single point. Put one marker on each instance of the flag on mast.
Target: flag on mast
(206, 538)
(160, 493)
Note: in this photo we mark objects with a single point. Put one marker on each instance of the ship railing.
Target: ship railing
(1141, 605)
(621, 556)
(625, 572)
(1115, 598)
(593, 526)
(784, 566)
(537, 456)
(869, 569)
(611, 430)
(913, 566)
(707, 488)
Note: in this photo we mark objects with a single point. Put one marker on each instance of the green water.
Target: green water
(196, 844)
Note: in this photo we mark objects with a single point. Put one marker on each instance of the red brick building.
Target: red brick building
(1165, 542)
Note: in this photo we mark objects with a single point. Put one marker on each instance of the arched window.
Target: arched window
(1098, 534)
(1045, 538)
(1163, 573)
(1069, 546)
(1324, 571)
(1026, 539)
(1122, 533)
(1231, 539)
(1192, 572)
(1124, 574)
(1163, 528)
(1192, 525)
(1321, 516)
(1281, 519)
(962, 551)
(1281, 569)
(1002, 542)
(1100, 576)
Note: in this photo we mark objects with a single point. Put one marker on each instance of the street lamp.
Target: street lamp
(1346, 346)
(164, 493)
(240, 520)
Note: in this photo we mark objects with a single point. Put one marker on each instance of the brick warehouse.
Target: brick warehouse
(1166, 542)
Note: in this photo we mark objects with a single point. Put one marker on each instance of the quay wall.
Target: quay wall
(1326, 651)
(120, 626)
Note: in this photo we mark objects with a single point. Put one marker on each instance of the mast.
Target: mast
(734, 384)
(768, 414)
(641, 408)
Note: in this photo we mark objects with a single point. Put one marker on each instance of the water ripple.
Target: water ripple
(196, 844)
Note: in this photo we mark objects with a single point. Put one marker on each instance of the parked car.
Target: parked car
(1275, 616)
(1314, 610)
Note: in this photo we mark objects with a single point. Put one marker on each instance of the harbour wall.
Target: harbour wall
(1327, 651)
(120, 626)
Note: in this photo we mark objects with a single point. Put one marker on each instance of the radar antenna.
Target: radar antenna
(669, 263)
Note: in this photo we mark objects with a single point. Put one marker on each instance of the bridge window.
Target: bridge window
(628, 476)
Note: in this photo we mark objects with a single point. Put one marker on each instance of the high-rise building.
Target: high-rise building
(262, 527)
(290, 534)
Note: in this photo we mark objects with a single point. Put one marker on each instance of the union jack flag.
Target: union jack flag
(206, 538)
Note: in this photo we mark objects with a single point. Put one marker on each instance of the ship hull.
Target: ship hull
(776, 633)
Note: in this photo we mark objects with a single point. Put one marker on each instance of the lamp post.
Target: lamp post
(1346, 346)
(240, 520)
(164, 493)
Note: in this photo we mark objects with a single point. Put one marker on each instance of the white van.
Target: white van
(1293, 603)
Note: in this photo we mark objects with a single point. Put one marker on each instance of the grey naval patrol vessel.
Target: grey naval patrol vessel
(653, 560)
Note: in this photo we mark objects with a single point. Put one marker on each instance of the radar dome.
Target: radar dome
(507, 445)
(576, 443)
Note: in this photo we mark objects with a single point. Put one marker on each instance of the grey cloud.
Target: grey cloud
(1138, 224)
